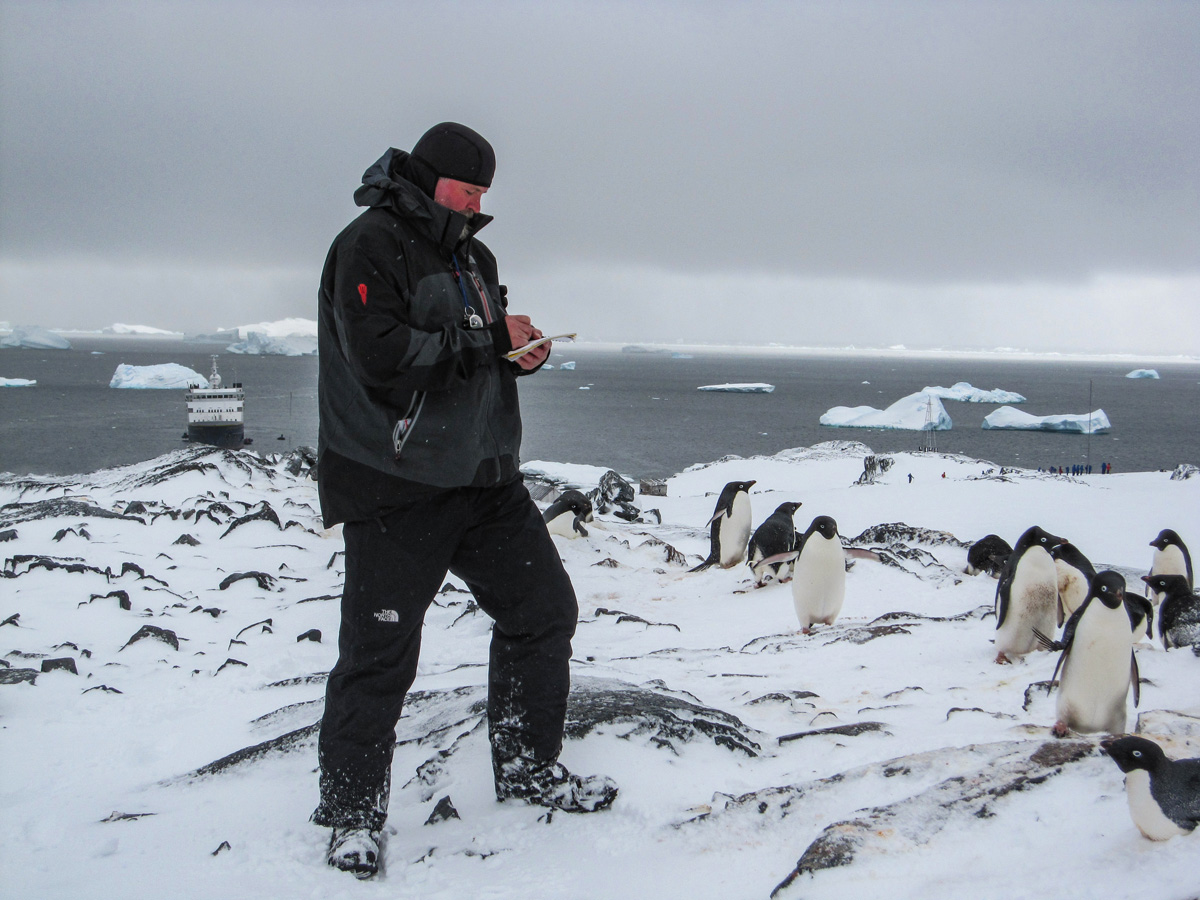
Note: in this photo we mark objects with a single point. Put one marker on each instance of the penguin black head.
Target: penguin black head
(577, 502)
(826, 526)
(788, 509)
(1165, 539)
(1133, 752)
(1039, 537)
(1170, 585)
(1109, 588)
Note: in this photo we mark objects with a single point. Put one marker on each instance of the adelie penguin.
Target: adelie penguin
(771, 554)
(1171, 557)
(988, 555)
(1027, 595)
(1098, 663)
(1163, 793)
(568, 514)
(1075, 574)
(819, 579)
(729, 527)
(1179, 612)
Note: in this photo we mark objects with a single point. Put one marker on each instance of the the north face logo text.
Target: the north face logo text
(387, 615)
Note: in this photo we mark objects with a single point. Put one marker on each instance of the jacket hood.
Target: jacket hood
(399, 181)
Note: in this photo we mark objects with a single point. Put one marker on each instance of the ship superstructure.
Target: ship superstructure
(216, 414)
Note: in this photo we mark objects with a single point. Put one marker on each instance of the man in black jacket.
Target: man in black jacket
(420, 433)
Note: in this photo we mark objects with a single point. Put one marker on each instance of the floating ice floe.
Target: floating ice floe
(17, 382)
(568, 366)
(291, 327)
(1143, 373)
(164, 376)
(34, 337)
(964, 392)
(749, 388)
(119, 328)
(916, 412)
(258, 343)
(1007, 418)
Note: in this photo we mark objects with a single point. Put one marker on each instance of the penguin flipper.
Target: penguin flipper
(1046, 643)
(1136, 678)
(707, 564)
(1058, 605)
(578, 526)
(786, 556)
(1061, 660)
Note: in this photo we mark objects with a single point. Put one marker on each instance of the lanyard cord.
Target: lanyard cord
(458, 276)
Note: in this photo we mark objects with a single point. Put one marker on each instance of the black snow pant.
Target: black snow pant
(494, 539)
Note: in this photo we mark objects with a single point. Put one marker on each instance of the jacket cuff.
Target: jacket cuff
(500, 337)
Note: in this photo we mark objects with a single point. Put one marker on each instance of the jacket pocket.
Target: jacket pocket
(406, 423)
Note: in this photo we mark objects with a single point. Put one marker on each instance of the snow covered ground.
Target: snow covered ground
(118, 781)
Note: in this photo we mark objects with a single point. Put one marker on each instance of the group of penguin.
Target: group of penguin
(1043, 580)
(814, 561)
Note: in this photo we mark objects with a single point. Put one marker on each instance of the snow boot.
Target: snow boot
(550, 784)
(355, 850)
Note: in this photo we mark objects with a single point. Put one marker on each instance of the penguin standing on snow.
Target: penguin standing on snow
(819, 578)
(1097, 662)
(729, 527)
(1171, 557)
(568, 514)
(1075, 574)
(1163, 794)
(1027, 595)
(774, 539)
(1179, 613)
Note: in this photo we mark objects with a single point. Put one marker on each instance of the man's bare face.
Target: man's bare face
(458, 195)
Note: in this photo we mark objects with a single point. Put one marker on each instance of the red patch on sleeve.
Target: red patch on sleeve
(362, 292)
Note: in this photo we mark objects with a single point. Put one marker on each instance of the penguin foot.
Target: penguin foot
(1060, 730)
(1002, 660)
(806, 631)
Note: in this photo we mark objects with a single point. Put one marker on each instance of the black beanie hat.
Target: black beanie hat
(455, 151)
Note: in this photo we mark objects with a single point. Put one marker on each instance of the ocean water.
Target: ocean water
(639, 413)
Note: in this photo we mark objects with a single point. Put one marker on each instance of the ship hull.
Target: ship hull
(228, 436)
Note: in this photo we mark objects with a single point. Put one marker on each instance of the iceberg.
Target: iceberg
(965, 393)
(119, 328)
(258, 343)
(1143, 373)
(1007, 418)
(568, 366)
(916, 412)
(34, 337)
(164, 376)
(751, 388)
(282, 328)
(16, 382)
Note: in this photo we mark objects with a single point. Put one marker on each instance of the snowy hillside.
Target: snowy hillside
(180, 760)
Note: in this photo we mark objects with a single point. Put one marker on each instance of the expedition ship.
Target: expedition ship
(215, 415)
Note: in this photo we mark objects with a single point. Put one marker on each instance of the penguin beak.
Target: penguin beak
(1146, 578)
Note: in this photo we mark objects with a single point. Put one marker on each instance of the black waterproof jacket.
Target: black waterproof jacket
(410, 397)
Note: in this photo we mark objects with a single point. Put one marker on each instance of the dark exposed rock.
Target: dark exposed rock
(16, 513)
(127, 567)
(12, 620)
(781, 697)
(300, 739)
(899, 532)
(230, 663)
(608, 562)
(102, 687)
(210, 610)
(224, 845)
(122, 598)
(29, 561)
(266, 627)
(612, 490)
(266, 514)
(443, 810)
(17, 676)
(962, 709)
(917, 819)
(313, 634)
(187, 540)
(8, 534)
(153, 632)
(136, 508)
(65, 663)
(81, 532)
(300, 460)
(265, 582)
(627, 617)
(852, 730)
(115, 816)
(869, 633)
(322, 597)
(671, 555)
(333, 559)
(1036, 690)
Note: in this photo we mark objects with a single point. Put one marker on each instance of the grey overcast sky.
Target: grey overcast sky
(932, 174)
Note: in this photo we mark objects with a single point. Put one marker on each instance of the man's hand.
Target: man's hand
(521, 331)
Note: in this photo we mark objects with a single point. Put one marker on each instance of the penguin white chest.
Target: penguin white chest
(1144, 809)
(1032, 599)
(1072, 586)
(1095, 677)
(819, 581)
(1169, 561)
(735, 531)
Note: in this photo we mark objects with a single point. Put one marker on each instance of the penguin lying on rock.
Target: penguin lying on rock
(772, 542)
(1163, 794)
(1179, 614)
(1097, 662)
(729, 527)
(988, 554)
(1027, 595)
(567, 515)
